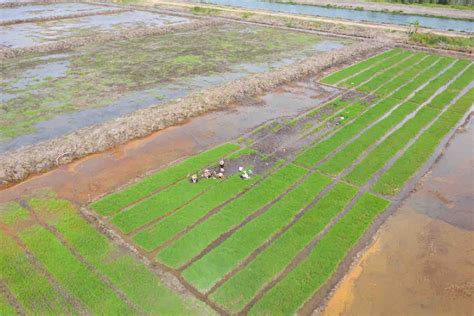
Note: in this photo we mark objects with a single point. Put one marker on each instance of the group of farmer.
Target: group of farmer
(218, 173)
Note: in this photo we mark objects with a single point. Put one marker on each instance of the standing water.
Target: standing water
(349, 14)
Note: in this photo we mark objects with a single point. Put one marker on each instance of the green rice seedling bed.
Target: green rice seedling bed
(349, 71)
(408, 75)
(425, 93)
(302, 282)
(319, 151)
(232, 214)
(422, 77)
(381, 79)
(205, 272)
(167, 228)
(407, 165)
(381, 67)
(351, 152)
(30, 288)
(5, 308)
(114, 202)
(395, 142)
(160, 204)
(72, 274)
(132, 277)
(242, 287)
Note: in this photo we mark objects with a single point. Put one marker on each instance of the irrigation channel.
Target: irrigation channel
(350, 14)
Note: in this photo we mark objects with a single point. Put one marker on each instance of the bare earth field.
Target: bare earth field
(346, 184)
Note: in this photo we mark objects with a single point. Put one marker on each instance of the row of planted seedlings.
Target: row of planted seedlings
(201, 244)
(54, 262)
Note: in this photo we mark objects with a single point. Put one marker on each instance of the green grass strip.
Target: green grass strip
(72, 274)
(319, 151)
(381, 79)
(140, 285)
(243, 286)
(5, 308)
(232, 214)
(407, 165)
(170, 226)
(114, 202)
(463, 80)
(30, 288)
(408, 75)
(349, 71)
(301, 283)
(205, 272)
(382, 67)
(421, 78)
(351, 152)
(395, 142)
(425, 93)
(160, 204)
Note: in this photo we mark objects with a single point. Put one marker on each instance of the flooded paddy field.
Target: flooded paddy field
(45, 96)
(324, 161)
(30, 34)
(48, 11)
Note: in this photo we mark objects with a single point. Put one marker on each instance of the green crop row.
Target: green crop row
(425, 93)
(384, 77)
(73, 274)
(171, 225)
(205, 272)
(379, 68)
(422, 77)
(349, 71)
(395, 142)
(341, 160)
(301, 283)
(5, 308)
(114, 202)
(406, 166)
(408, 75)
(232, 214)
(30, 288)
(243, 286)
(319, 151)
(160, 204)
(132, 277)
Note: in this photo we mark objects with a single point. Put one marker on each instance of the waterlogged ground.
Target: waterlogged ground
(267, 245)
(38, 11)
(29, 34)
(44, 96)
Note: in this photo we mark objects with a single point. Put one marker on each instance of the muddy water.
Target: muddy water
(88, 178)
(422, 260)
(29, 34)
(35, 11)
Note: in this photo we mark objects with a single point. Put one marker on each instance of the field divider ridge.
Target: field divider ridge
(10, 299)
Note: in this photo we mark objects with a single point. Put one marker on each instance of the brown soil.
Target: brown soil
(420, 262)
(18, 165)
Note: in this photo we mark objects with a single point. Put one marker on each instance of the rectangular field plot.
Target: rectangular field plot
(30, 34)
(50, 10)
(45, 96)
(54, 262)
(268, 244)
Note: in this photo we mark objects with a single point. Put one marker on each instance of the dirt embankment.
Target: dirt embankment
(61, 17)
(104, 38)
(18, 165)
(390, 7)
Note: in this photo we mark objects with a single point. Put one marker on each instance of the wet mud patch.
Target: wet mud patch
(30, 34)
(124, 76)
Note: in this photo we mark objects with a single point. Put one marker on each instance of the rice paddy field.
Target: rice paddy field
(337, 156)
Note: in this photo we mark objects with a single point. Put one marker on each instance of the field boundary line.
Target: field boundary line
(10, 298)
(42, 270)
(93, 269)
